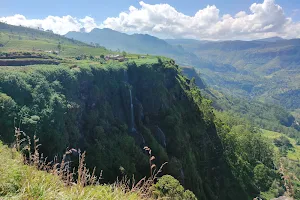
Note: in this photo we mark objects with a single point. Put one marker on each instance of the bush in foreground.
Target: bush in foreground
(169, 187)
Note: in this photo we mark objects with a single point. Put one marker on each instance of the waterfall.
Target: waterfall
(139, 139)
(125, 76)
(131, 111)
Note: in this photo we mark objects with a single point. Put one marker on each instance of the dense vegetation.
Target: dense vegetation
(17, 38)
(266, 116)
(88, 107)
(246, 122)
(35, 179)
(19, 181)
(265, 70)
(112, 109)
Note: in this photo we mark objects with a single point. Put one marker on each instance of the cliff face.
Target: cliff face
(113, 112)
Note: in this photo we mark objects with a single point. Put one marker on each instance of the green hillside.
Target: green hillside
(136, 43)
(292, 153)
(261, 70)
(238, 112)
(288, 154)
(85, 102)
(88, 107)
(16, 38)
(263, 115)
(19, 181)
(266, 70)
(78, 97)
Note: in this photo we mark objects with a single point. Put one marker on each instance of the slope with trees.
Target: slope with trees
(112, 109)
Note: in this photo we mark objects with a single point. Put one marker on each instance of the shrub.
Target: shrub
(262, 177)
(283, 141)
(168, 186)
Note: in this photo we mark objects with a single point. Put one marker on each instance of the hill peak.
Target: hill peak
(271, 39)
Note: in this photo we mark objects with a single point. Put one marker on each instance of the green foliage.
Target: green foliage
(262, 177)
(136, 43)
(7, 114)
(19, 181)
(265, 116)
(244, 147)
(59, 47)
(84, 104)
(276, 190)
(169, 187)
(265, 71)
(283, 141)
(291, 152)
(297, 194)
(284, 144)
(40, 41)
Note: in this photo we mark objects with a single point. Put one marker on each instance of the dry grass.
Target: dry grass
(30, 176)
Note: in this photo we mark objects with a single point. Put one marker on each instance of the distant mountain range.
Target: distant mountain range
(267, 69)
(136, 43)
(271, 39)
(262, 70)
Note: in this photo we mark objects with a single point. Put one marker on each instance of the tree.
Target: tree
(283, 141)
(159, 60)
(169, 187)
(262, 177)
(59, 47)
(124, 54)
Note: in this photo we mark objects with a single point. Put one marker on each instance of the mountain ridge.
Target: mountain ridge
(135, 43)
(262, 69)
(112, 110)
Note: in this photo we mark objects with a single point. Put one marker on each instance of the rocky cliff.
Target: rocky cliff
(112, 112)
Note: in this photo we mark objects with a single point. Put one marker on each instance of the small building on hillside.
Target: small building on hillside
(53, 52)
(115, 57)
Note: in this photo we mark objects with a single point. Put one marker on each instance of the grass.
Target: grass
(28, 176)
(288, 165)
(296, 114)
(40, 43)
(69, 50)
(294, 153)
(19, 181)
(21, 39)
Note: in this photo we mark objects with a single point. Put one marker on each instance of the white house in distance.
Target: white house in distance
(115, 57)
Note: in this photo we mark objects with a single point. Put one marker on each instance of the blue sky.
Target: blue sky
(101, 9)
(258, 19)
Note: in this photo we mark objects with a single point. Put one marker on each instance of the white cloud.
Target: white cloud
(265, 19)
(59, 25)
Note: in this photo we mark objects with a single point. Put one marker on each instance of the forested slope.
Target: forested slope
(88, 107)
(261, 70)
(112, 109)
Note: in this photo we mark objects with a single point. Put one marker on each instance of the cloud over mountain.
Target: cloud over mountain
(263, 20)
(59, 25)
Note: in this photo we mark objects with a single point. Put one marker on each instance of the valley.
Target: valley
(262, 70)
(224, 126)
